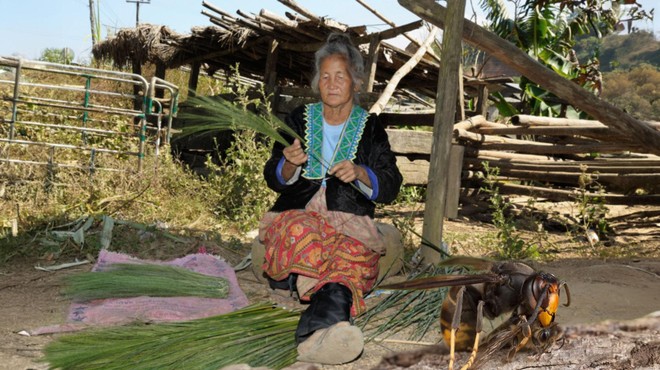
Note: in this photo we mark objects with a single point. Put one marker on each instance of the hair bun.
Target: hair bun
(339, 38)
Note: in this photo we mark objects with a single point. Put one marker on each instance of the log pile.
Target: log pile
(548, 158)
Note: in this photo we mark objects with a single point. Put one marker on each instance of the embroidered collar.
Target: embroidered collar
(346, 147)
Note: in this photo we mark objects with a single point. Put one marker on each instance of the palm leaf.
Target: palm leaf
(207, 114)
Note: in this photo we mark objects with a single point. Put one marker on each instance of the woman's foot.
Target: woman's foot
(337, 344)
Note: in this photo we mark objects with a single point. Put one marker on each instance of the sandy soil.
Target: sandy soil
(607, 295)
(600, 290)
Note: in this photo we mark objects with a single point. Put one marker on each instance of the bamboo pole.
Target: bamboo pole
(392, 24)
(570, 195)
(567, 166)
(535, 121)
(402, 72)
(527, 120)
(504, 143)
(324, 21)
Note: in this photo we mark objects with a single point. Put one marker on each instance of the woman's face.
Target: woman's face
(335, 82)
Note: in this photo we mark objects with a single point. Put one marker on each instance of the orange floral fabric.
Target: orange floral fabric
(304, 242)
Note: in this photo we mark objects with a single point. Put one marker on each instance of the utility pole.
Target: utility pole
(137, 9)
(93, 21)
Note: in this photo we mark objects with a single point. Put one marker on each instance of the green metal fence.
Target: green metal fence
(66, 116)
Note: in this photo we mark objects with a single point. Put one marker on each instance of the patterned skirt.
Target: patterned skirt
(305, 242)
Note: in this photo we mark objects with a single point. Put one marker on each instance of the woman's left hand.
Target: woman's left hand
(348, 171)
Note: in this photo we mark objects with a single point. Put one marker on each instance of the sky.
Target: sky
(30, 26)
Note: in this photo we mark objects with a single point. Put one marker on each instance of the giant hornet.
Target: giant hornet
(532, 298)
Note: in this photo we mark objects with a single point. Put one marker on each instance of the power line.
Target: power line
(137, 9)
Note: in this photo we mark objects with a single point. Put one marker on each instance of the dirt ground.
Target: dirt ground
(601, 326)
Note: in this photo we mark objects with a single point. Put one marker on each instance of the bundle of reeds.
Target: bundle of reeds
(216, 114)
(258, 335)
(414, 310)
(124, 280)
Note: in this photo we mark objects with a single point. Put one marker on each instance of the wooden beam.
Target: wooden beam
(454, 180)
(606, 113)
(410, 141)
(567, 166)
(406, 119)
(372, 63)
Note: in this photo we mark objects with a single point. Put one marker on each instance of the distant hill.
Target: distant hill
(621, 51)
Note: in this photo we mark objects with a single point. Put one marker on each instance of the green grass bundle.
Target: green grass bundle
(207, 114)
(418, 310)
(125, 280)
(258, 335)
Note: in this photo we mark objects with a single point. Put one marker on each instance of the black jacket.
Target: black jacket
(373, 151)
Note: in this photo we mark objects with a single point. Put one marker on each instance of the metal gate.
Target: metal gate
(66, 116)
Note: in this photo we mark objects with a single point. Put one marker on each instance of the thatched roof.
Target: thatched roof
(246, 39)
(144, 44)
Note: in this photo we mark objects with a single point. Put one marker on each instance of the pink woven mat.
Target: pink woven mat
(105, 312)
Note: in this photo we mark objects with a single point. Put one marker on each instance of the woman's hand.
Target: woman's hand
(348, 171)
(294, 153)
(295, 157)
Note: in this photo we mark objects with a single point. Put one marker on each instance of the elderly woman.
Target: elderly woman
(320, 236)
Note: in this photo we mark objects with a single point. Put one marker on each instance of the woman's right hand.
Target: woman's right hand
(294, 153)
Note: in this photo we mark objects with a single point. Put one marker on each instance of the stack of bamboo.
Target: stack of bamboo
(544, 157)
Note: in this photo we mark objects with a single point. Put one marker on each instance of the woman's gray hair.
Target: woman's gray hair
(340, 44)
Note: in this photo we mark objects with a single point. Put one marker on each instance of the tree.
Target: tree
(635, 91)
(546, 30)
(55, 55)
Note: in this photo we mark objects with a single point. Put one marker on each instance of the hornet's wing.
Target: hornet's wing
(443, 280)
(473, 263)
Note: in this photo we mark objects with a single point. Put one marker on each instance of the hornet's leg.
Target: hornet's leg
(456, 322)
(526, 332)
(478, 327)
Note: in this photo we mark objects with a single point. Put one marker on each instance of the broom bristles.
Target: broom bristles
(259, 335)
(125, 280)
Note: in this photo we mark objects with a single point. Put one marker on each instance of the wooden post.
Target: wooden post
(270, 74)
(161, 70)
(194, 78)
(137, 104)
(443, 126)
(372, 61)
(454, 180)
(482, 101)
